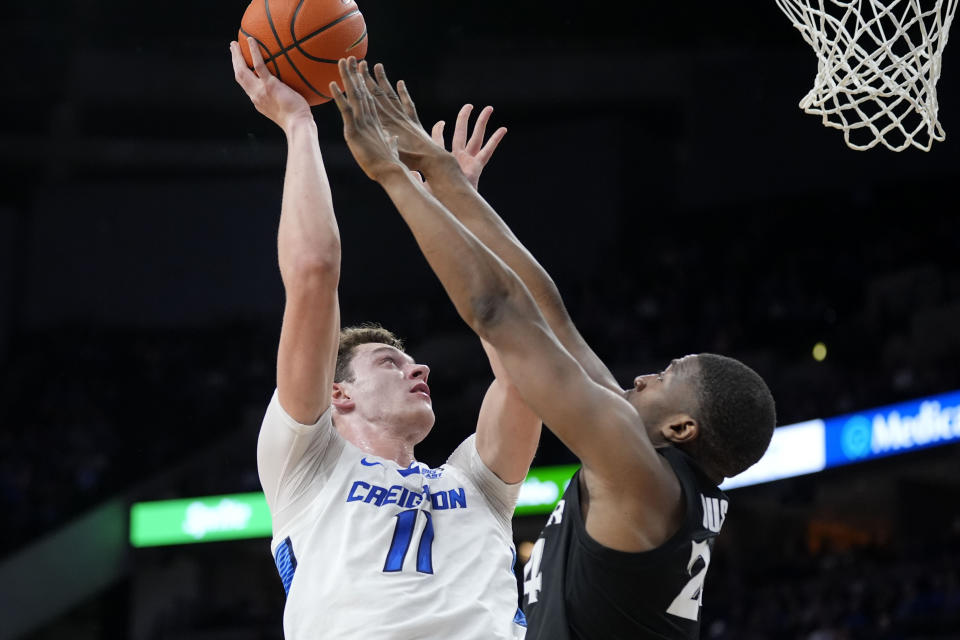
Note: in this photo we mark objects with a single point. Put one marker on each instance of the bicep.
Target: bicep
(307, 354)
(508, 431)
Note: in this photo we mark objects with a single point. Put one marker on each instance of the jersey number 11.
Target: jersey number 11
(403, 535)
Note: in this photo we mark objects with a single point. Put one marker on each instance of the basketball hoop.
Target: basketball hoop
(879, 63)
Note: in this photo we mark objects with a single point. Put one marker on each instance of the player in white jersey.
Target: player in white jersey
(368, 541)
(371, 547)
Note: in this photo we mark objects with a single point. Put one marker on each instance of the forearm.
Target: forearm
(476, 281)
(308, 243)
(308, 236)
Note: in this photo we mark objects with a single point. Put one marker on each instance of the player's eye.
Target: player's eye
(660, 376)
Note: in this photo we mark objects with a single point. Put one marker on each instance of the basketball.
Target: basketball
(302, 40)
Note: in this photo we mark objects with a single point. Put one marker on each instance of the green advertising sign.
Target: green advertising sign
(543, 488)
(229, 517)
(245, 515)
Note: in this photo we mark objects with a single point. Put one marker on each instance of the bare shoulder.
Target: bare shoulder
(632, 514)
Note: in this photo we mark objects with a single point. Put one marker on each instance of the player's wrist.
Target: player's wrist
(440, 165)
(391, 174)
(300, 123)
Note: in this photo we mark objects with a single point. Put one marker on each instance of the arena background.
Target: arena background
(656, 163)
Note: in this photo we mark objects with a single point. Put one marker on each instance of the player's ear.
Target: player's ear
(340, 398)
(680, 428)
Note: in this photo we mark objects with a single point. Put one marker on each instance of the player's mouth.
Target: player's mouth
(421, 387)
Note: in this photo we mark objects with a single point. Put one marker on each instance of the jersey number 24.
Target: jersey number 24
(685, 605)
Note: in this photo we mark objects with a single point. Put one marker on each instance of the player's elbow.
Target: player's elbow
(493, 309)
(486, 311)
(312, 271)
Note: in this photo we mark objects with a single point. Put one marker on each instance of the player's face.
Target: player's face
(390, 387)
(658, 395)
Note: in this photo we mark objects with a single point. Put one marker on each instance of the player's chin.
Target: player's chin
(419, 403)
(426, 415)
(422, 424)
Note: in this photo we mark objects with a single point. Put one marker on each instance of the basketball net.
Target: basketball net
(879, 62)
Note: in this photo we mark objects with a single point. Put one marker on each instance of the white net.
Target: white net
(879, 62)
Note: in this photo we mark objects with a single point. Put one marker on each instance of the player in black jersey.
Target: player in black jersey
(625, 553)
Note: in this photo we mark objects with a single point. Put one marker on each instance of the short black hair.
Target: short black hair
(737, 414)
(351, 338)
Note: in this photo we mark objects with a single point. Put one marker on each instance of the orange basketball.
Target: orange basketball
(301, 41)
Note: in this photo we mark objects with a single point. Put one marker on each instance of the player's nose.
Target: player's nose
(639, 383)
(420, 372)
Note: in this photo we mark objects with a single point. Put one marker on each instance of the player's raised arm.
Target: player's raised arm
(457, 190)
(308, 246)
(508, 431)
(596, 423)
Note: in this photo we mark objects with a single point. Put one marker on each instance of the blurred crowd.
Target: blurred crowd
(88, 413)
(908, 591)
(890, 591)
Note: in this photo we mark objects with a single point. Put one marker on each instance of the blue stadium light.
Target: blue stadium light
(816, 445)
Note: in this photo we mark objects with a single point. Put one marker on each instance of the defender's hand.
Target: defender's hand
(269, 95)
(472, 155)
(398, 115)
(372, 147)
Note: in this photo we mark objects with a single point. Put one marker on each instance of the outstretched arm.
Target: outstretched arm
(457, 190)
(508, 431)
(308, 246)
(596, 423)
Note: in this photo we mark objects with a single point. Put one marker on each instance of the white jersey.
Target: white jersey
(368, 549)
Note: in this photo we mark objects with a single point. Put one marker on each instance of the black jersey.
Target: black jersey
(575, 588)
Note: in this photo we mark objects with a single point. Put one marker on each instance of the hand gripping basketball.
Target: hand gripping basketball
(302, 40)
(271, 97)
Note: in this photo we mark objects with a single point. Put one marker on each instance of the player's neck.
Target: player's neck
(708, 469)
(378, 440)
